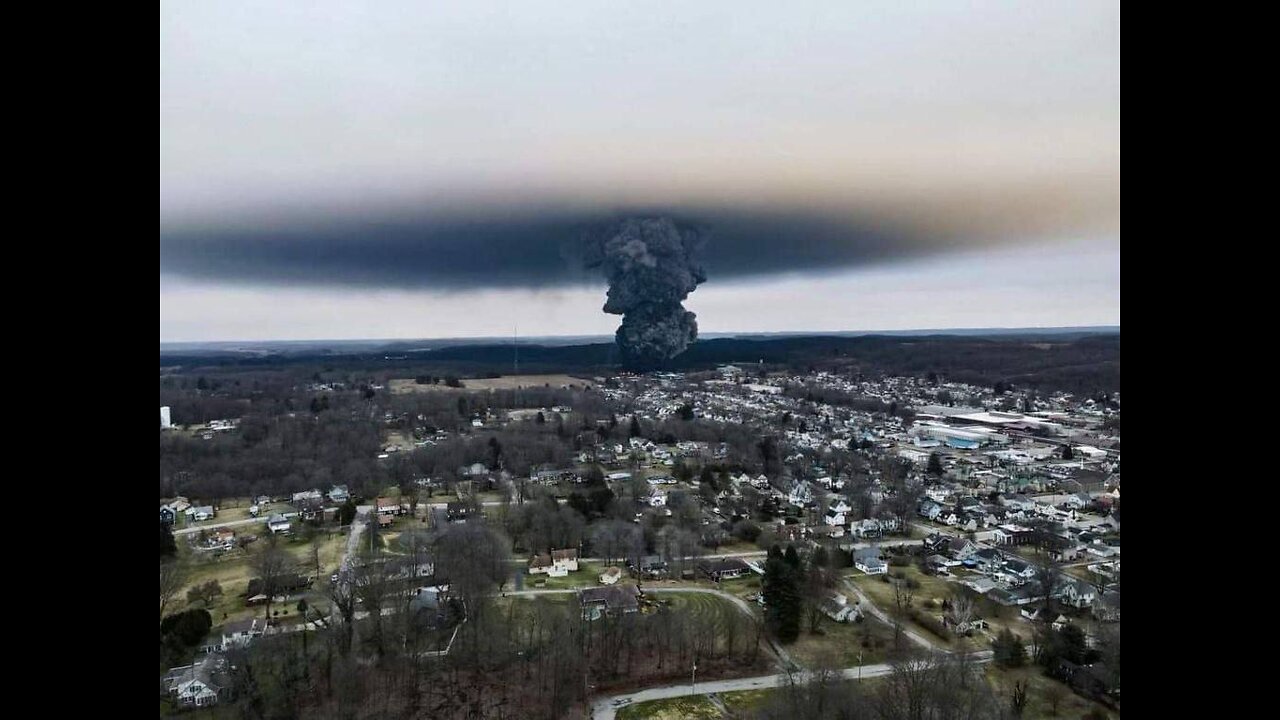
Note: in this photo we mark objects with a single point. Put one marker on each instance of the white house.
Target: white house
(837, 608)
(241, 633)
(277, 523)
(610, 575)
(868, 560)
(198, 685)
(558, 564)
(1078, 594)
(800, 494)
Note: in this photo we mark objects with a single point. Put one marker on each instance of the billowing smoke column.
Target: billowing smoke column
(652, 266)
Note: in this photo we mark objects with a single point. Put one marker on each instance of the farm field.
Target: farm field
(400, 386)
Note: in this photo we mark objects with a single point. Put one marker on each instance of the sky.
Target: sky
(375, 170)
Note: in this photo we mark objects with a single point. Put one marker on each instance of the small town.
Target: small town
(871, 518)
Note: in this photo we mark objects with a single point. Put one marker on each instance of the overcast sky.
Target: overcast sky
(352, 170)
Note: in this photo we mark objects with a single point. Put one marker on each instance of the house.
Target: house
(202, 513)
(223, 538)
(961, 548)
(833, 518)
(988, 560)
(837, 608)
(610, 575)
(458, 512)
(1019, 567)
(650, 566)
(310, 508)
(800, 495)
(868, 560)
(167, 515)
(1079, 501)
(200, 684)
(723, 569)
(929, 510)
(1103, 550)
(1066, 552)
(277, 524)
(609, 600)
(936, 542)
(256, 592)
(558, 563)
(1078, 593)
(657, 498)
(387, 506)
(305, 496)
(1011, 534)
(240, 633)
(339, 494)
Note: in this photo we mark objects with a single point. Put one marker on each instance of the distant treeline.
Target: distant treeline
(1086, 364)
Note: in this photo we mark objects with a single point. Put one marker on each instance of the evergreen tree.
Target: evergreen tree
(783, 575)
(935, 465)
(635, 426)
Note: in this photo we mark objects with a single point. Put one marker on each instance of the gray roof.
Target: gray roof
(865, 554)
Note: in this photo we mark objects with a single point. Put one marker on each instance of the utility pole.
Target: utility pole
(693, 681)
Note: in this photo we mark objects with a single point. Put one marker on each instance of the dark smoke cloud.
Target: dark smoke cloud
(652, 264)
(488, 249)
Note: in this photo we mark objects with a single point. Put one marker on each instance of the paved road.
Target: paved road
(864, 603)
(211, 526)
(604, 708)
(357, 527)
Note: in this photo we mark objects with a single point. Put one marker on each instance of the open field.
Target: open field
(870, 639)
(930, 589)
(399, 386)
(234, 570)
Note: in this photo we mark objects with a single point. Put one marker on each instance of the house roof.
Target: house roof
(866, 553)
(614, 597)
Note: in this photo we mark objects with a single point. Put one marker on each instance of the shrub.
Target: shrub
(931, 624)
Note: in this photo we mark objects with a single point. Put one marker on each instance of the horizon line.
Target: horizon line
(921, 331)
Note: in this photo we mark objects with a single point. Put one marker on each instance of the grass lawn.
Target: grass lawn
(588, 575)
(233, 572)
(745, 703)
(845, 641)
(672, 709)
(931, 588)
(1039, 688)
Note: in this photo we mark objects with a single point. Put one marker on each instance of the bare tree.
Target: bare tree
(172, 577)
(1048, 575)
(959, 611)
(372, 586)
(1018, 698)
(1054, 694)
(271, 566)
(342, 595)
(903, 595)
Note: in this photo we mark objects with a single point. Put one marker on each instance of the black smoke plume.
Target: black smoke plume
(652, 264)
